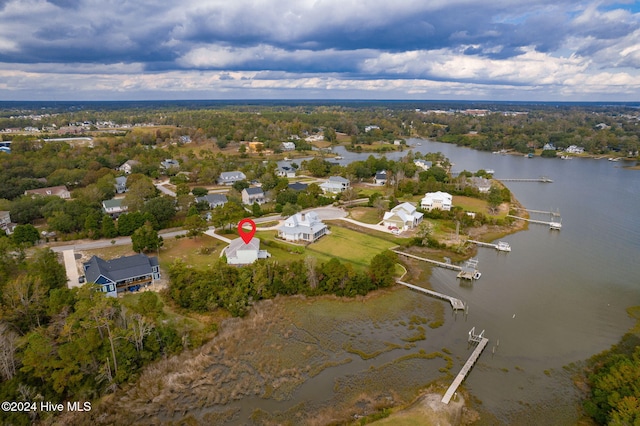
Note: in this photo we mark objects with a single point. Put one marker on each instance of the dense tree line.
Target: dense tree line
(236, 288)
(614, 381)
(59, 344)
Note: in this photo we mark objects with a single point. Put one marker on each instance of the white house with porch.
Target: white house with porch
(239, 253)
(437, 200)
(302, 227)
(335, 185)
(403, 217)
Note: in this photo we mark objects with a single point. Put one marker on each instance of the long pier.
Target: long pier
(456, 304)
(537, 211)
(552, 225)
(434, 262)
(542, 179)
(482, 343)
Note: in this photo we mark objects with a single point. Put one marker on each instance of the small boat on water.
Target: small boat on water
(490, 171)
(565, 157)
(503, 246)
(477, 275)
(338, 157)
(555, 226)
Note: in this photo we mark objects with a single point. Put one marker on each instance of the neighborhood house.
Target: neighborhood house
(214, 200)
(335, 185)
(239, 253)
(114, 207)
(5, 222)
(302, 227)
(423, 164)
(128, 273)
(229, 178)
(253, 195)
(483, 185)
(121, 184)
(381, 177)
(57, 191)
(436, 200)
(402, 217)
(128, 166)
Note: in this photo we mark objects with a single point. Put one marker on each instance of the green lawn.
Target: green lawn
(365, 215)
(350, 246)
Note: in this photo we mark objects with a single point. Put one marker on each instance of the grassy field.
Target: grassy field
(350, 246)
(198, 252)
(365, 215)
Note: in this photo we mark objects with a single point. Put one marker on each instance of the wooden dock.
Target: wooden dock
(434, 262)
(542, 179)
(551, 224)
(456, 304)
(482, 343)
(537, 211)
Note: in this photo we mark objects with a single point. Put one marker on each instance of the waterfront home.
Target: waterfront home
(128, 166)
(574, 149)
(253, 195)
(402, 217)
(302, 227)
(483, 185)
(121, 184)
(548, 147)
(335, 185)
(128, 273)
(239, 253)
(214, 200)
(229, 178)
(114, 207)
(436, 200)
(423, 164)
(56, 191)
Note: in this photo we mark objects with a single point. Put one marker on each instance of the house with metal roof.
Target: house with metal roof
(121, 184)
(402, 217)
(437, 200)
(239, 253)
(128, 273)
(335, 185)
(298, 186)
(302, 227)
(114, 207)
(381, 177)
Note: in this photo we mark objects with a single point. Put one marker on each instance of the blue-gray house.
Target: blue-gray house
(128, 273)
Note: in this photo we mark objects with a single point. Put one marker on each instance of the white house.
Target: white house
(436, 200)
(381, 177)
(214, 200)
(302, 227)
(5, 222)
(229, 178)
(288, 146)
(253, 195)
(114, 207)
(423, 164)
(574, 149)
(239, 253)
(548, 147)
(128, 166)
(286, 171)
(335, 185)
(403, 216)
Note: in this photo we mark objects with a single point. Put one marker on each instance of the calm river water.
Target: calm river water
(558, 297)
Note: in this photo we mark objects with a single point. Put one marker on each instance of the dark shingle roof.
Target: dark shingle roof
(121, 268)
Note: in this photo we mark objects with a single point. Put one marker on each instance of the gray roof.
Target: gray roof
(121, 180)
(298, 186)
(338, 179)
(121, 268)
(232, 175)
(213, 198)
(239, 243)
(254, 191)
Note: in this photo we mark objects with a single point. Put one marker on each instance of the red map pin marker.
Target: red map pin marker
(246, 235)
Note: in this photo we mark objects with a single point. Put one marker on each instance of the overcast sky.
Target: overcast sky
(541, 50)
